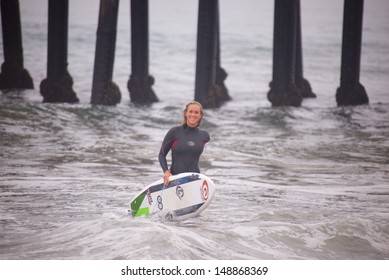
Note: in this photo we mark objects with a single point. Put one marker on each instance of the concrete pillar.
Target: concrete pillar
(302, 84)
(140, 82)
(209, 75)
(221, 74)
(13, 75)
(104, 90)
(351, 91)
(57, 87)
(283, 90)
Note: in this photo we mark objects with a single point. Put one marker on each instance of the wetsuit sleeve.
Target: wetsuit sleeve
(165, 148)
(207, 138)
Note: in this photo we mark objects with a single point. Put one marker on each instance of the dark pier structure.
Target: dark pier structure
(140, 82)
(210, 90)
(288, 86)
(57, 87)
(351, 92)
(13, 75)
(104, 90)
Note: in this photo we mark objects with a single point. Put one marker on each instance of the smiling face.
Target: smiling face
(193, 115)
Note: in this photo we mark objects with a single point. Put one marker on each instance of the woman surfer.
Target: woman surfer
(186, 142)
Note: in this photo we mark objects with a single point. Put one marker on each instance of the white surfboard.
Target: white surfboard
(186, 196)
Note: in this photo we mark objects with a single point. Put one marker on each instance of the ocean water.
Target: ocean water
(292, 183)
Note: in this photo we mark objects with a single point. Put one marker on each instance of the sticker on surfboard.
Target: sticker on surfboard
(186, 196)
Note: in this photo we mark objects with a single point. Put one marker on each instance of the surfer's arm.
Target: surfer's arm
(165, 148)
(163, 161)
(166, 177)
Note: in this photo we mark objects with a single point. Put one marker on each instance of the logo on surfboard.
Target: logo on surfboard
(160, 204)
(204, 190)
(149, 198)
(179, 192)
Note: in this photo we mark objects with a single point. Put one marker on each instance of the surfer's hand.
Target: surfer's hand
(166, 177)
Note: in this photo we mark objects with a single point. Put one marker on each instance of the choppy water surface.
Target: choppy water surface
(292, 183)
(287, 187)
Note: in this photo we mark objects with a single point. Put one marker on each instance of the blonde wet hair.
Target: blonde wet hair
(186, 110)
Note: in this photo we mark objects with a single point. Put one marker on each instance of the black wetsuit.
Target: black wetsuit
(187, 144)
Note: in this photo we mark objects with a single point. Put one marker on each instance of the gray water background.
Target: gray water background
(292, 183)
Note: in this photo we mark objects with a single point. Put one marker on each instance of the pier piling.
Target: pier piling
(283, 89)
(104, 90)
(140, 82)
(351, 91)
(57, 87)
(209, 87)
(302, 84)
(13, 75)
(221, 74)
